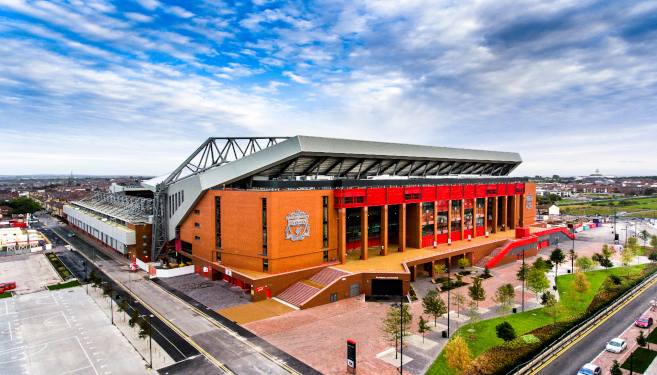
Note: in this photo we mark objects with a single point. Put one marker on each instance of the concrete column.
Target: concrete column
(474, 218)
(402, 227)
(384, 230)
(342, 234)
(505, 212)
(495, 209)
(522, 210)
(462, 219)
(485, 215)
(413, 273)
(363, 233)
(449, 220)
(435, 225)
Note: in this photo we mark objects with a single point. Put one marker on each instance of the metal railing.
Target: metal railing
(575, 332)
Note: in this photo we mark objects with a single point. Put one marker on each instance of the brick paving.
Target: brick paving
(217, 295)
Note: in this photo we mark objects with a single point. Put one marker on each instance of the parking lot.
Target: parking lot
(31, 272)
(62, 332)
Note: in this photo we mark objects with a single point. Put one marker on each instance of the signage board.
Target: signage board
(260, 289)
(351, 355)
(228, 272)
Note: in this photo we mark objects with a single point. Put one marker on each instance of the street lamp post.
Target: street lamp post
(111, 302)
(150, 337)
(523, 280)
(401, 334)
(86, 281)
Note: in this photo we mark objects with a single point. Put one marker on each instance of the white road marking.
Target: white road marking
(85, 353)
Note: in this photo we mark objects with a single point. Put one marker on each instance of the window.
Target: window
(413, 196)
(197, 238)
(326, 256)
(325, 221)
(217, 212)
(264, 226)
(334, 297)
(197, 225)
(265, 264)
(186, 247)
(218, 257)
(197, 212)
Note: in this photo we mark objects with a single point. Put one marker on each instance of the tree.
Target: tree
(23, 205)
(506, 332)
(391, 327)
(649, 191)
(644, 235)
(486, 273)
(615, 368)
(653, 242)
(557, 257)
(423, 327)
(626, 259)
(473, 312)
(134, 319)
(459, 299)
(457, 354)
(641, 340)
(632, 242)
(94, 279)
(580, 284)
(107, 289)
(537, 282)
(539, 264)
(438, 271)
(476, 291)
(434, 305)
(584, 264)
(523, 271)
(123, 306)
(464, 262)
(504, 297)
(144, 328)
(606, 251)
(553, 198)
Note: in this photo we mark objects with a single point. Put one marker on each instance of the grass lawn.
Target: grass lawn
(527, 321)
(69, 284)
(5, 295)
(642, 360)
(652, 337)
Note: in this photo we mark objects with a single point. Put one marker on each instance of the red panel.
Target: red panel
(441, 238)
(481, 191)
(225, 277)
(481, 231)
(457, 192)
(374, 242)
(376, 197)
(352, 245)
(520, 188)
(511, 189)
(501, 189)
(395, 195)
(469, 191)
(428, 194)
(442, 206)
(456, 236)
(468, 203)
(443, 193)
(413, 189)
(491, 190)
(466, 233)
(355, 192)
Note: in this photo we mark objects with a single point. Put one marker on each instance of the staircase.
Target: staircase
(327, 275)
(303, 290)
(297, 293)
(485, 260)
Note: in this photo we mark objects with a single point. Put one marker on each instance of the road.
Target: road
(588, 348)
(224, 343)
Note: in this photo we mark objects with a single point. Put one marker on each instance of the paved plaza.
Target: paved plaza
(62, 332)
(31, 272)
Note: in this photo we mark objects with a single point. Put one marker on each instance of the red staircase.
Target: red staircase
(327, 275)
(297, 293)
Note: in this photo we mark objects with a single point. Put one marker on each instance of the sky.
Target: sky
(134, 87)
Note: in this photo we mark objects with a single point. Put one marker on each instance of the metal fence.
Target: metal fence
(14, 252)
(575, 332)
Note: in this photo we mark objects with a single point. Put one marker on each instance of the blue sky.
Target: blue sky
(133, 87)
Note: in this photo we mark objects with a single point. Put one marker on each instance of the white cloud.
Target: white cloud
(149, 4)
(138, 17)
(180, 12)
(296, 78)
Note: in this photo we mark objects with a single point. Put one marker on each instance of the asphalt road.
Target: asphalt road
(588, 348)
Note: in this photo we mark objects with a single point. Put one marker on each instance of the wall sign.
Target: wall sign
(351, 356)
(530, 202)
(228, 272)
(260, 289)
(297, 226)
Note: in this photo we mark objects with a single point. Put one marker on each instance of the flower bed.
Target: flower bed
(59, 266)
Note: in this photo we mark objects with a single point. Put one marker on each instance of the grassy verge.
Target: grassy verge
(69, 284)
(59, 266)
(485, 337)
(642, 360)
(5, 295)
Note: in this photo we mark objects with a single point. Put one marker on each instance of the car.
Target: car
(643, 322)
(71, 235)
(589, 369)
(616, 345)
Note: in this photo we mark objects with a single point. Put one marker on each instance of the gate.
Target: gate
(354, 290)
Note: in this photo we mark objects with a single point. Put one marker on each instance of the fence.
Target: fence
(577, 331)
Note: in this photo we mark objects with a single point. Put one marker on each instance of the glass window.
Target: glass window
(265, 264)
(197, 212)
(197, 225)
(325, 221)
(197, 238)
(326, 256)
(218, 257)
(217, 213)
(264, 226)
